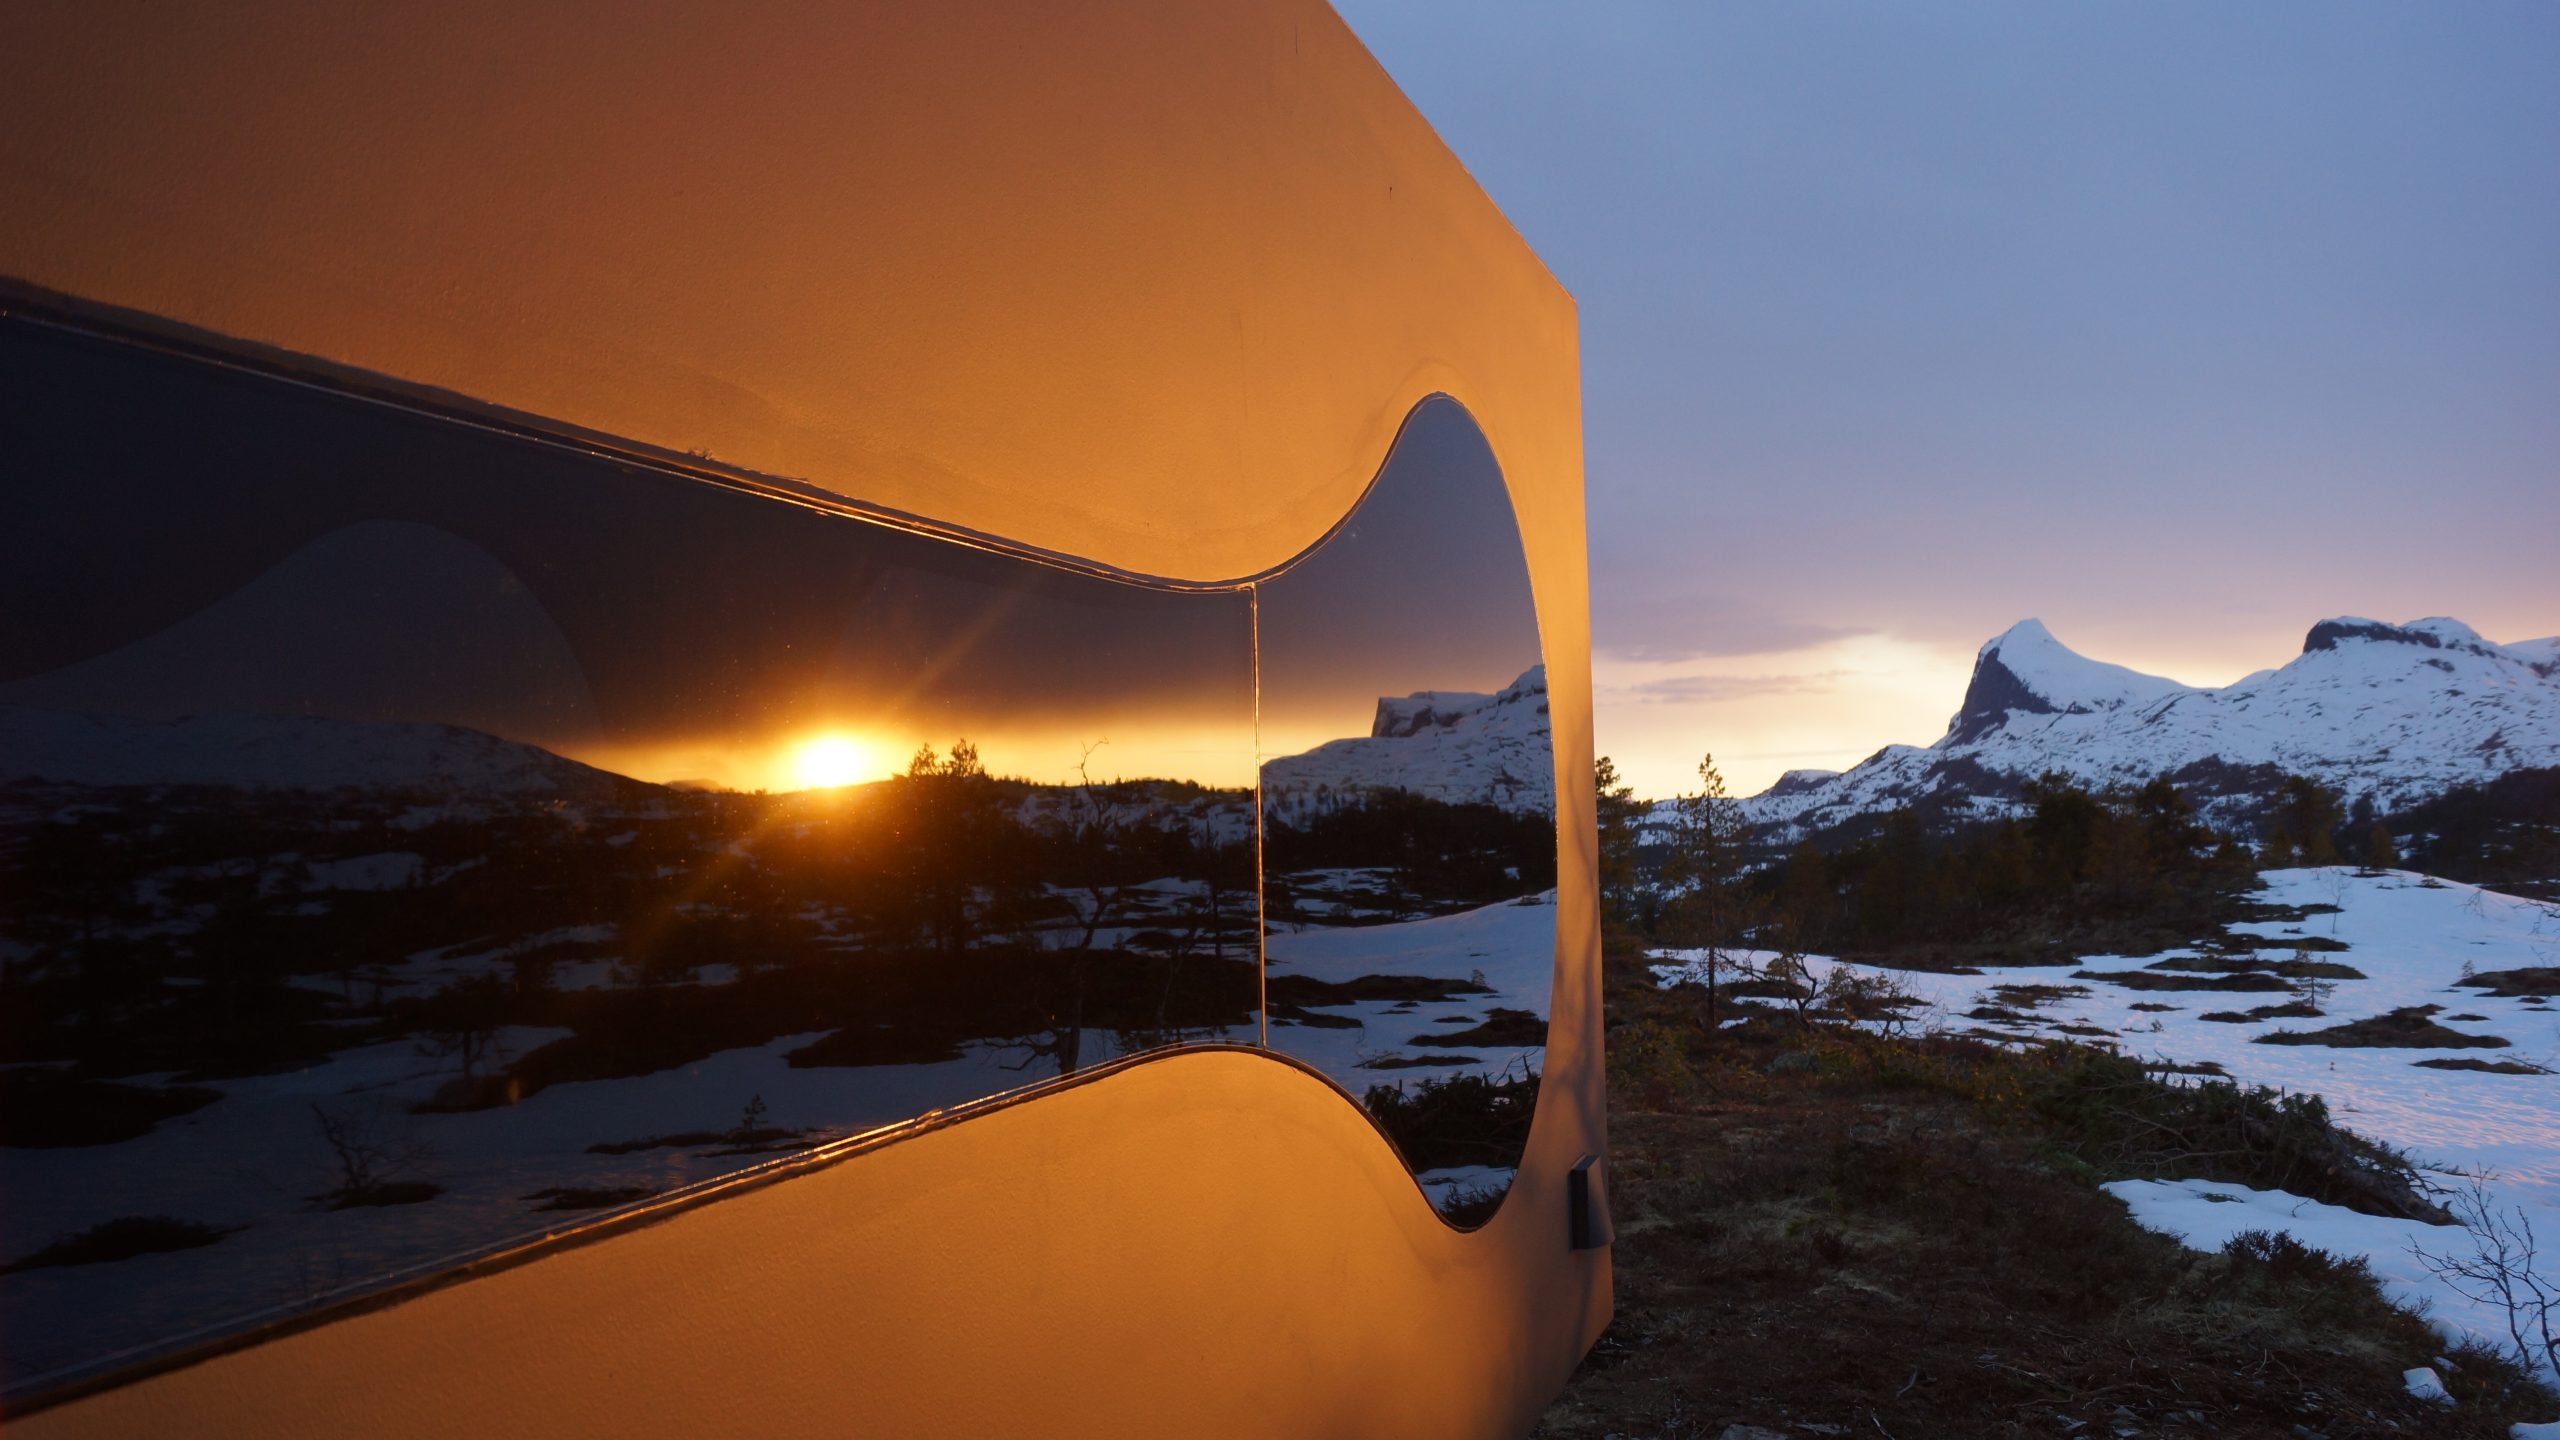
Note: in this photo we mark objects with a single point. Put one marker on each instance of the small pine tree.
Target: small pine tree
(1704, 871)
(2380, 853)
(1618, 811)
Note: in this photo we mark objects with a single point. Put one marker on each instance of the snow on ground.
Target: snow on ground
(2426, 1384)
(1454, 1182)
(2206, 1214)
(2413, 938)
(1510, 947)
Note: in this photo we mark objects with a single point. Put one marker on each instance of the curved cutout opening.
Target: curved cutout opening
(1408, 801)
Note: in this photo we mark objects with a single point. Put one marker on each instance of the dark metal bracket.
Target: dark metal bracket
(1587, 1204)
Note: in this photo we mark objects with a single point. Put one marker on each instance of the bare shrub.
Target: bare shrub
(2503, 1271)
(374, 1158)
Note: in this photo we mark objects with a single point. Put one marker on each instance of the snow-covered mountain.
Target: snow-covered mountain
(1446, 745)
(2399, 713)
(281, 752)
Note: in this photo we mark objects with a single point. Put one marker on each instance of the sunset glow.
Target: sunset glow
(827, 761)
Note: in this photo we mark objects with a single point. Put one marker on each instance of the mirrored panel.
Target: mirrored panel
(417, 838)
(1409, 813)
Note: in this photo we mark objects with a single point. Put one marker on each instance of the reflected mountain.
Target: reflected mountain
(1452, 746)
(1409, 893)
(277, 752)
(1409, 814)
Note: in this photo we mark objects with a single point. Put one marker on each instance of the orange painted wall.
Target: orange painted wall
(1150, 282)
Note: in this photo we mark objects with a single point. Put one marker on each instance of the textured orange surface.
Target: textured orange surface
(1149, 282)
(1257, 1267)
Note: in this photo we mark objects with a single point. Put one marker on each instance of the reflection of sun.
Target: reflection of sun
(831, 760)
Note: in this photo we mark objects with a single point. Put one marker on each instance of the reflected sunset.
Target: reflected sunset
(1203, 752)
(459, 788)
(823, 762)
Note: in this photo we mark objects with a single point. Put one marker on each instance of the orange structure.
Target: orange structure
(1142, 290)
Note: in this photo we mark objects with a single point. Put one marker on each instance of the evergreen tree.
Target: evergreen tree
(950, 825)
(1806, 897)
(2305, 820)
(2064, 827)
(1618, 812)
(2170, 834)
(1712, 908)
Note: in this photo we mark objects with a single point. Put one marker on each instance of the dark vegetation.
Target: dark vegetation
(2411, 1027)
(2180, 980)
(389, 1192)
(1430, 857)
(2504, 835)
(2295, 969)
(376, 1160)
(206, 933)
(1822, 1231)
(1827, 1231)
(1294, 999)
(183, 930)
(2290, 1010)
(1500, 1026)
(177, 929)
(42, 1108)
(750, 1136)
(2129, 871)
(2125, 871)
(1466, 1119)
(119, 1239)
(2530, 981)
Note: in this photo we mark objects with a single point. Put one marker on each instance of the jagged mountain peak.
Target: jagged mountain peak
(1400, 715)
(2394, 713)
(2025, 670)
(1451, 745)
(2025, 634)
(2436, 632)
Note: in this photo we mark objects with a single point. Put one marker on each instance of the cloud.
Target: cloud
(1718, 689)
(1668, 629)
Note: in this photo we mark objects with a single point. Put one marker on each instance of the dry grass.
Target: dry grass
(1820, 1230)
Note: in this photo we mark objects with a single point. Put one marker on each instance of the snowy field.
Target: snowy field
(2414, 939)
(1510, 948)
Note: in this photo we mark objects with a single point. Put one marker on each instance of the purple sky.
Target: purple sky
(2177, 326)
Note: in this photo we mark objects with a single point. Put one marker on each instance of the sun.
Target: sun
(826, 761)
